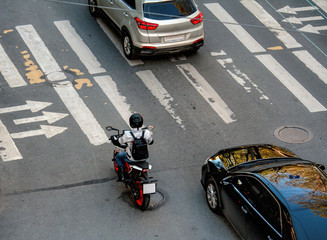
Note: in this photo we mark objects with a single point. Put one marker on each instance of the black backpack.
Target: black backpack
(139, 148)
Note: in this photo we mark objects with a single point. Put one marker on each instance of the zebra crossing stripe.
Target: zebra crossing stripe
(82, 114)
(9, 71)
(79, 47)
(239, 32)
(78, 109)
(109, 87)
(304, 56)
(156, 88)
(290, 83)
(322, 4)
(270, 23)
(207, 92)
(41, 53)
(8, 149)
(315, 66)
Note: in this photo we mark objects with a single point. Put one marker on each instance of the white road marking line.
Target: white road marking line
(50, 117)
(290, 82)
(239, 32)
(9, 71)
(207, 92)
(80, 48)
(156, 88)
(8, 149)
(313, 29)
(34, 106)
(266, 19)
(290, 10)
(47, 130)
(322, 4)
(117, 42)
(109, 87)
(312, 64)
(82, 114)
(286, 38)
(221, 53)
(41, 53)
(296, 20)
(240, 77)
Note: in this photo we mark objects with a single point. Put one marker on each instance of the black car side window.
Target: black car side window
(261, 199)
(130, 3)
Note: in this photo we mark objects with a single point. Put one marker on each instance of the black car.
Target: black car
(267, 192)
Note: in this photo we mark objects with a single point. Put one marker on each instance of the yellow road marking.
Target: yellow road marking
(275, 48)
(80, 82)
(34, 74)
(7, 31)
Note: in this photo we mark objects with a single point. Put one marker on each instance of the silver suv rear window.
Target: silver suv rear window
(168, 9)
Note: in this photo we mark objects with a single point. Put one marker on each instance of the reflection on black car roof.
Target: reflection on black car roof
(235, 156)
(302, 185)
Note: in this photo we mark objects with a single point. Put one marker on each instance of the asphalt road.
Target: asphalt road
(57, 178)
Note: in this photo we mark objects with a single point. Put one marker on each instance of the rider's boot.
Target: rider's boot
(121, 177)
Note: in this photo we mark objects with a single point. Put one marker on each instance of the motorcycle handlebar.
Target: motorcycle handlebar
(110, 128)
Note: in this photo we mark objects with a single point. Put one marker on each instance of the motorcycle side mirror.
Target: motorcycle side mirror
(109, 128)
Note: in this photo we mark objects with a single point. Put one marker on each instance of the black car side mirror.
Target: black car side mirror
(321, 166)
(226, 181)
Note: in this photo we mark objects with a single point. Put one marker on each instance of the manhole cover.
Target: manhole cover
(156, 199)
(293, 134)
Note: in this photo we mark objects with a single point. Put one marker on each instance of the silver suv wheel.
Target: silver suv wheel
(128, 47)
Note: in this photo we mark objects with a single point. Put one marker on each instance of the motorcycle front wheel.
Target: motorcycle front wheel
(141, 200)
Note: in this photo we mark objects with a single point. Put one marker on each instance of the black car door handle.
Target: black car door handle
(244, 209)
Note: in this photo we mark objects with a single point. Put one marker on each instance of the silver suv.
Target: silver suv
(152, 27)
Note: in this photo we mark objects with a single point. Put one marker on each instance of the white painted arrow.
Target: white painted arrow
(51, 117)
(312, 29)
(34, 106)
(48, 131)
(290, 10)
(296, 20)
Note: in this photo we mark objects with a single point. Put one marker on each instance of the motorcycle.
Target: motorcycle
(136, 174)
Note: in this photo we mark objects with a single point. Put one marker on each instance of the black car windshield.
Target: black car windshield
(168, 9)
(303, 185)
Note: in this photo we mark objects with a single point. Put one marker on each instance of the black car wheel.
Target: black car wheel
(128, 47)
(94, 10)
(212, 195)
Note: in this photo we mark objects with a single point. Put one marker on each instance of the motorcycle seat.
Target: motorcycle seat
(141, 164)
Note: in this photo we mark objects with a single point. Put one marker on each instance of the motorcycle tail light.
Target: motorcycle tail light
(144, 170)
(145, 25)
(197, 19)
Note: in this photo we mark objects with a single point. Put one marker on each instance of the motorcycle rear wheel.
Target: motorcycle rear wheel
(142, 200)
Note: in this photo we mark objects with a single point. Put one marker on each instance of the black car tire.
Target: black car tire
(94, 11)
(128, 46)
(212, 195)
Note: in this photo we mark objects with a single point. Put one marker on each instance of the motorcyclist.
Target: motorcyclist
(136, 123)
